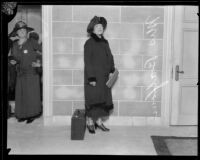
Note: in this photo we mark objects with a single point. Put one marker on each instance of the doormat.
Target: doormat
(171, 145)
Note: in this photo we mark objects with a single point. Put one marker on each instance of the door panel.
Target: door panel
(184, 109)
(188, 103)
(190, 58)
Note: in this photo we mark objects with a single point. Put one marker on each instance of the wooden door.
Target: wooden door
(184, 109)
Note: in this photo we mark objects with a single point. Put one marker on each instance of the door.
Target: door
(185, 66)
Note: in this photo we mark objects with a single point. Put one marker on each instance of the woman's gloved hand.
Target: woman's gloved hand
(13, 62)
(93, 83)
(110, 75)
(36, 64)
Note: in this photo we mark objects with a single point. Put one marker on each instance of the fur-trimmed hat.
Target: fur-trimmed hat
(96, 20)
(20, 25)
(34, 36)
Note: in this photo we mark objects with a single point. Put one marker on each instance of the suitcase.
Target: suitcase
(78, 125)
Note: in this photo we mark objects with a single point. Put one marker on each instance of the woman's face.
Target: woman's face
(98, 29)
(22, 33)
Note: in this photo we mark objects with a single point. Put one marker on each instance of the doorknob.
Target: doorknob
(177, 73)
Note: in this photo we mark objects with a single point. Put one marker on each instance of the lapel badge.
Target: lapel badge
(25, 51)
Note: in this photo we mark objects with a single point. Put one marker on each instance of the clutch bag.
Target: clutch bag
(112, 79)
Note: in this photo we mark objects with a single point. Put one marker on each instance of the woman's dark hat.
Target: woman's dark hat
(96, 20)
(20, 25)
(34, 36)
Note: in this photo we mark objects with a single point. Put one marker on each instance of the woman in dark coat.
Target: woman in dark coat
(98, 66)
(27, 94)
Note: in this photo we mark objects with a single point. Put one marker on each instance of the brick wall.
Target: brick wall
(135, 35)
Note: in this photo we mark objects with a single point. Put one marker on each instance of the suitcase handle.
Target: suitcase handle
(78, 113)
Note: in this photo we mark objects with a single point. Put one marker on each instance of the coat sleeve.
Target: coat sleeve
(88, 61)
(14, 55)
(111, 60)
(39, 57)
(38, 48)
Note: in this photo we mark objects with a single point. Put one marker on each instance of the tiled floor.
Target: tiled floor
(37, 139)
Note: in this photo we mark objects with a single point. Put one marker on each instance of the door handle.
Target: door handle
(180, 71)
(177, 72)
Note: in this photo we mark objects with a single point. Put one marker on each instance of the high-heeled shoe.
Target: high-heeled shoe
(30, 120)
(102, 127)
(91, 129)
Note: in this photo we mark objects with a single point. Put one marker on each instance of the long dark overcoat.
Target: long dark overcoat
(27, 92)
(98, 63)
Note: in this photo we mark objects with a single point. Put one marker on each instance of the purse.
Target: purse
(111, 81)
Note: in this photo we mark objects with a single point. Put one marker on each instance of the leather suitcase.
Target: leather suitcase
(78, 124)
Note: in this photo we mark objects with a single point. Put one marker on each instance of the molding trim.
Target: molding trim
(47, 75)
(167, 66)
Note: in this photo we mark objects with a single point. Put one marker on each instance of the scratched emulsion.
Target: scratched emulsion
(151, 63)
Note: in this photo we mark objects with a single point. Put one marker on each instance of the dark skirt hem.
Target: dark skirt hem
(98, 111)
(32, 116)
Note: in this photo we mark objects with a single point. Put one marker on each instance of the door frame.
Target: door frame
(167, 74)
(166, 98)
(47, 62)
(167, 66)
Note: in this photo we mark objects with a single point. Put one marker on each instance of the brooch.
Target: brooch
(25, 51)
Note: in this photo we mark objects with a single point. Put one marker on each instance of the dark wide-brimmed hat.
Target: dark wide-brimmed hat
(96, 20)
(20, 25)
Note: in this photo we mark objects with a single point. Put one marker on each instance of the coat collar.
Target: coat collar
(97, 39)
